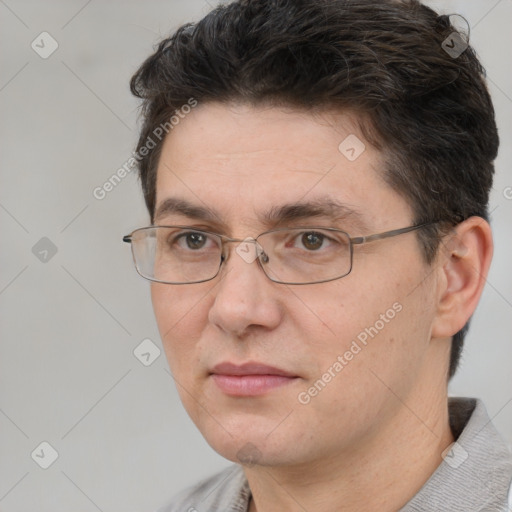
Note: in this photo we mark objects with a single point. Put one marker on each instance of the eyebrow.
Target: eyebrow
(324, 206)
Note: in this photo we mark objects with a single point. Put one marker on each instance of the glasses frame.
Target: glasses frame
(224, 239)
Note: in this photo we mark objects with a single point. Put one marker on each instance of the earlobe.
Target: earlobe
(464, 259)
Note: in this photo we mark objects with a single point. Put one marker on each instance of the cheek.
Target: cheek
(348, 387)
(178, 307)
(381, 322)
(180, 317)
(343, 311)
(181, 314)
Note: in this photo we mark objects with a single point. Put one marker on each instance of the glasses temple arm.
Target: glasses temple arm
(379, 236)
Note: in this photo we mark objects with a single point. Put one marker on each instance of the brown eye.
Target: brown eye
(191, 241)
(312, 240)
(195, 240)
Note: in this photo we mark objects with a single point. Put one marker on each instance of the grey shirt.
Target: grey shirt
(475, 475)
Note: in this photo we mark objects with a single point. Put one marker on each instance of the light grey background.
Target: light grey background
(68, 375)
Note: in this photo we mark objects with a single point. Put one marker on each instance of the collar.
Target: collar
(477, 469)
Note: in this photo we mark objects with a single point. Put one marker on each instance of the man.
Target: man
(317, 175)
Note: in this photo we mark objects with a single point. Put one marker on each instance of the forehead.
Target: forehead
(245, 163)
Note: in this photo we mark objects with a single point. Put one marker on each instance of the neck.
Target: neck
(383, 473)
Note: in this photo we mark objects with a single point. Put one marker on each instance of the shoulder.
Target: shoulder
(227, 490)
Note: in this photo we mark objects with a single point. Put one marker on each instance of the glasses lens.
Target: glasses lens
(300, 256)
(176, 255)
(179, 255)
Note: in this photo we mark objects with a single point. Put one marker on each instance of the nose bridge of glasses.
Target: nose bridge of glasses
(245, 249)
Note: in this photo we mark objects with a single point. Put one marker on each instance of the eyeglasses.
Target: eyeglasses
(301, 255)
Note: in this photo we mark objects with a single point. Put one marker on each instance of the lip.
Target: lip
(249, 379)
(250, 368)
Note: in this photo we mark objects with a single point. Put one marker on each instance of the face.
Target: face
(337, 348)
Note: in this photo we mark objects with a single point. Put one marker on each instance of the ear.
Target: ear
(464, 259)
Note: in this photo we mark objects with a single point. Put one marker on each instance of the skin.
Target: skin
(373, 436)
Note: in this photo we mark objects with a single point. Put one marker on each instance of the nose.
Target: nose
(244, 296)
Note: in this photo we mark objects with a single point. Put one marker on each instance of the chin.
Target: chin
(248, 441)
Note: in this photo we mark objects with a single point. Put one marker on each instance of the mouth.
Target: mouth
(249, 379)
